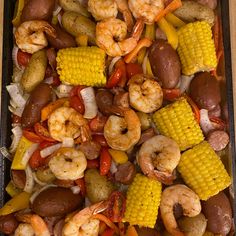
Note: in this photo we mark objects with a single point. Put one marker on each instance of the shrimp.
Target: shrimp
(145, 94)
(33, 225)
(30, 35)
(146, 9)
(110, 29)
(104, 9)
(158, 157)
(68, 164)
(82, 223)
(178, 194)
(122, 133)
(66, 122)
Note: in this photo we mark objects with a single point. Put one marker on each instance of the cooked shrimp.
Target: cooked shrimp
(68, 164)
(145, 94)
(122, 133)
(146, 9)
(158, 157)
(178, 194)
(35, 225)
(30, 35)
(82, 223)
(111, 33)
(104, 9)
(66, 122)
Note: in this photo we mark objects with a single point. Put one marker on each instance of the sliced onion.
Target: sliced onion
(75, 189)
(113, 62)
(59, 17)
(14, 57)
(37, 180)
(205, 122)
(49, 150)
(90, 104)
(29, 184)
(36, 193)
(185, 83)
(17, 133)
(68, 142)
(29, 153)
(144, 65)
(16, 111)
(56, 10)
(16, 93)
(113, 168)
(63, 90)
(17, 74)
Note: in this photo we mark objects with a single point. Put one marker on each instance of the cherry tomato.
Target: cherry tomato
(77, 104)
(23, 58)
(108, 232)
(93, 164)
(133, 69)
(97, 124)
(100, 139)
(43, 133)
(81, 183)
(171, 94)
(31, 136)
(105, 161)
(36, 160)
(114, 78)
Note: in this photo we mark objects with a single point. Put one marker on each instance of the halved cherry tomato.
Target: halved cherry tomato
(195, 108)
(116, 206)
(23, 58)
(31, 136)
(133, 69)
(99, 138)
(77, 104)
(105, 161)
(121, 64)
(108, 232)
(93, 164)
(15, 119)
(81, 183)
(75, 91)
(43, 133)
(115, 78)
(171, 94)
(97, 123)
(36, 160)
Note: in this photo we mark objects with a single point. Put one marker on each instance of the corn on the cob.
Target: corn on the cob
(177, 121)
(143, 200)
(196, 48)
(203, 171)
(82, 66)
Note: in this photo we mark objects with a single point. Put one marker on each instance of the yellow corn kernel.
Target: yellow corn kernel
(82, 66)
(174, 20)
(177, 121)
(142, 202)
(12, 190)
(203, 171)
(119, 157)
(196, 48)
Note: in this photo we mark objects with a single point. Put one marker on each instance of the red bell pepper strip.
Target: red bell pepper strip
(43, 133)
(105, 161)
(114, 78)
(171, 94)
(121, 64)
(36, 160)
(133, 69)
(108, 232)
(31, 136)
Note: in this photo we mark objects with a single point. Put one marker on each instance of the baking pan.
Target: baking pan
(5, 118)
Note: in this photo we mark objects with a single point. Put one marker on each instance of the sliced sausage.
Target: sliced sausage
(147, 134)
(125, 173)
(90, 149)
(19, 178)
(104, 99)
(64, 183)
(218, 139)
(121, 99)
(8, 224)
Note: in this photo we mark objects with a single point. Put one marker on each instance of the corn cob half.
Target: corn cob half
(82, 66)
(177, 121)
(203, 171)
(196, 48)
(143, 200)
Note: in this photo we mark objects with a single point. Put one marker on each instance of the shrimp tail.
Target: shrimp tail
(164, 177)
(128, 20)
(50, 31)
(138, 29)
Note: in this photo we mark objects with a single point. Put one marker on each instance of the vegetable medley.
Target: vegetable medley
(119, 121)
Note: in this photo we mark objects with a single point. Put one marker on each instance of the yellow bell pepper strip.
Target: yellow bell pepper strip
(22, 149)
(118, 157)
(150, 32)
(131, 231)
(141, 55)
(82, 40)
(170, 32)
(12, 190)
(18, 10)
(148, 68)
(18, 202)
(174, 20)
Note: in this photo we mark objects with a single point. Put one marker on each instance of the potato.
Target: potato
(165, 63)
(8, 224)
(146, 231)
(218, 212)
(192, 11)
(35, 71)
(38, 10)
(98, 187)
(39, 97)
(76, 24)
(193, 226)
(56, 201)
(75, 6)
(45, 175)
(145, 120)
(62, 40)
(205, 91)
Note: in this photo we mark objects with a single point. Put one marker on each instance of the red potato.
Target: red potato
(125, 173)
